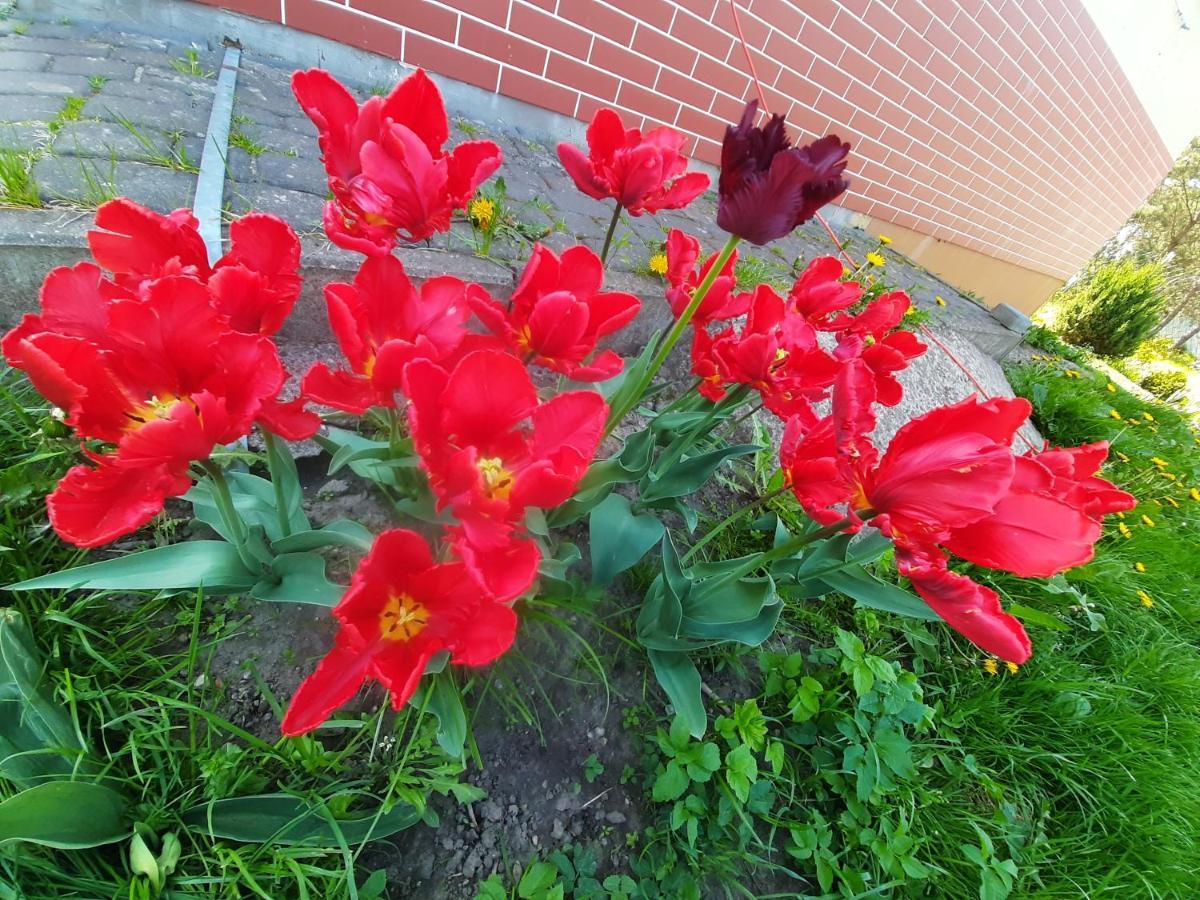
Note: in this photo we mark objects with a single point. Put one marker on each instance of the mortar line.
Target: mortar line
(210, 183)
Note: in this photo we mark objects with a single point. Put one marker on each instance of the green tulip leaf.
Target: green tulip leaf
(67, 815)
(213, 565)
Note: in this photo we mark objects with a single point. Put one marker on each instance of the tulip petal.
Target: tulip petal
(973, 611)
(337, 678)
(91, 507)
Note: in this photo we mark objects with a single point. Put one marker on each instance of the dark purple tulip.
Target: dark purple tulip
(767, 186)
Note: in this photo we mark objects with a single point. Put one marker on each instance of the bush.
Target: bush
(1163, 349)
(1163, 382)
(1112, 309)
(1043, 338)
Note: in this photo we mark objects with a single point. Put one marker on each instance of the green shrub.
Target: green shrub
(1112, 309)
(1163, 382)
(1162, 349)
(1043, 338)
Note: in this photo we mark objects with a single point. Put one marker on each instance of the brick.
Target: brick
(657, 13)
(798, 88)
(599, 19)
(342, 24)
(822, 43)
(687, 90)
(421, 51)
(622, 62)
(538, 91)
(582, 77)
(666, 49)
(722, 77)
(647, 102)
(550, 31)
(501, 46)
(697, 33)
(494, 11)
(694, 121)
(420, 15)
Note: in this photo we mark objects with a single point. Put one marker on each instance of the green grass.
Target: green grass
(17, 185)
(134, 673)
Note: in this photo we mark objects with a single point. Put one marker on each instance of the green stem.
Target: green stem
(685, 440)
(234, 523)
(612, 227)
(788, 548)
(733, 517)
(729, 429)
(281, 511)
(676, 332)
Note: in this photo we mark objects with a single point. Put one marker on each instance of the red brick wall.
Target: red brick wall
(1004, 126)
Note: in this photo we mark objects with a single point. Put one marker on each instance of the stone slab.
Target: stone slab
(187, 116)
(87, 182)
(27, 108)
(109, 140)
(93, 65)
(293, 173)
(23, 61)
(46, 83)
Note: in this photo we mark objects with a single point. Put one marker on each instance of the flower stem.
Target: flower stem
(281, 511)
(232, 519)
(612, 227)
(676, 332)
(733, 517)
(729, 429)
(786, 549)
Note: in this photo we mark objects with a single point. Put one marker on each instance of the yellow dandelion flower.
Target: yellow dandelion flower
(1121, 456)
(1073, 373)
(1146, 520)
(481, 211)
(658, 264)
(941, 302)
(1139, 567)
(1125, 531)
(1121, 515)
(1172, 501)
(875, 259)
(989, 666)
(1146, 599)
(1012, 667)
(1115, 414)
(1147, 417)
(1194, 493)
(884, 239)
(1170, 476)
(1133, 421)
(1112, 388)
(845, 271)
(1159, 461)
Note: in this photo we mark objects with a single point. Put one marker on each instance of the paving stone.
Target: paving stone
(302, 210)
(166, 78)
(293, 173)
(281, 140)
(25, 108)
(93, 65)
(54, 46)
(169, 96)
(88, 182)
(27, 136)
(184, 117)
(22, 61)
(239, 167)
(45, 83)
(148, 57)
(111, 141)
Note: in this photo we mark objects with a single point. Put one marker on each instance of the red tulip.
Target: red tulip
(161, 376)
(643, 173)
(720, 302)
(881, 315)
(819, 291)
(389, 175)
(382, 323)
(767, 186)
(254, 285)
(969, 608)
(400, 610)
(776, 353)
(557, 314)
(492, 451)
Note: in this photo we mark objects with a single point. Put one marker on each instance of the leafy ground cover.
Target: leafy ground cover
(897, 762)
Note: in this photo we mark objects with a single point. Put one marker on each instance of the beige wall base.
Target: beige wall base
(991, 279)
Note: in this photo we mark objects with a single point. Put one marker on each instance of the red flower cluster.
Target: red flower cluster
(493, 450)
(387, 170)
(643, 173)
(950, 480)
(401, 609)
(557, 314)
(162, 360)
(777, 352)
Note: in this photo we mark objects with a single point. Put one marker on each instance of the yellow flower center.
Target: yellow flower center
(497, 480)
(482, 211)
(658, 264)
(402, 618)
(154, 408)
